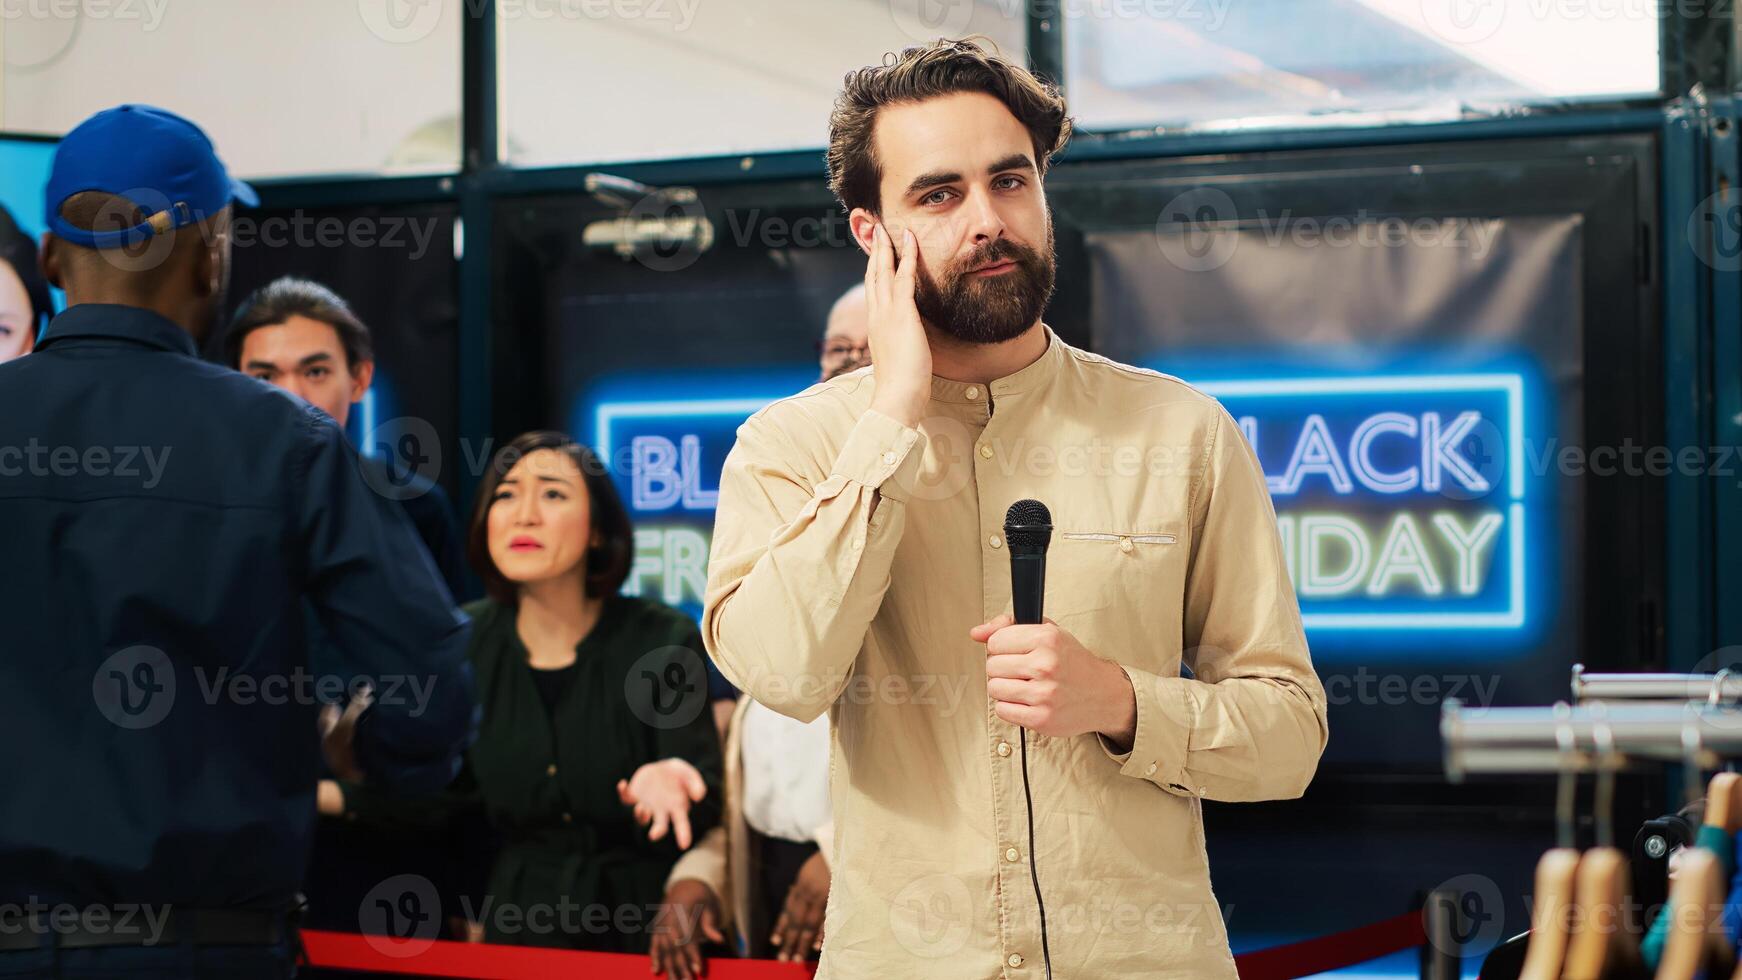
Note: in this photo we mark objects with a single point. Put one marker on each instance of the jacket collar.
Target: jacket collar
(125, 323)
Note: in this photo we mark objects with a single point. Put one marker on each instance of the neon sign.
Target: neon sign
(1400, 499)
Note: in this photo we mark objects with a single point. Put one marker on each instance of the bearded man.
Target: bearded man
(1009, 800)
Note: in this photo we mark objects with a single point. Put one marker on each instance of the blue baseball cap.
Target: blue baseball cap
(154, 158)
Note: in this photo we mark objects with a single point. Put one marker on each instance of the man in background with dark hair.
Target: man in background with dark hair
(301, 336)
(298, 335)
(164, 522)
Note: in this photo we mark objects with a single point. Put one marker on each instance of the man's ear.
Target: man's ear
(208, 275)
(864, 227)
(361, 376)
(48, 260)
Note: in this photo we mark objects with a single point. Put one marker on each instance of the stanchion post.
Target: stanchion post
(1441, 957)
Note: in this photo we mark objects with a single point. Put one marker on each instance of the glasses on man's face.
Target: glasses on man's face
(836, 351)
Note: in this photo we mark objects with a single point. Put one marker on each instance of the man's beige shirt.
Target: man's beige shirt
(1164, 551)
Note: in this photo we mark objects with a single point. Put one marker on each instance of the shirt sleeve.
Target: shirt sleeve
(799, 567)
(383, 604)
(1250, 723)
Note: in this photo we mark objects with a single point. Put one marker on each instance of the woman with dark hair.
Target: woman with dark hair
(596, 760)
(24, 301)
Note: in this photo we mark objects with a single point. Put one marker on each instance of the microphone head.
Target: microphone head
(1028, 526)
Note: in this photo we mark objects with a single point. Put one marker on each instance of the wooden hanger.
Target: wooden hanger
(1722, 810)
(1696, 940)
(1551, 919)
(1602, 945)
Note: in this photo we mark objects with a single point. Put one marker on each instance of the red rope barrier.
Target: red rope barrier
(479, 961)
(1333, 952)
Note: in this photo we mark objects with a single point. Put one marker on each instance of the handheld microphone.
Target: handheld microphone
(1027, 532)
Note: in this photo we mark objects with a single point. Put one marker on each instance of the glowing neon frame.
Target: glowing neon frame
(1512, 386)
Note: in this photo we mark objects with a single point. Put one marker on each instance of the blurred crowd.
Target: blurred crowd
(583, 815)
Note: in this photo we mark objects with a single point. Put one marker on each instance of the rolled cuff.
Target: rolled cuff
(879, 453)
(1165, 719)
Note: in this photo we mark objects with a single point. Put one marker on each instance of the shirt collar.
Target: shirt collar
(111, 322)
(1033, 376)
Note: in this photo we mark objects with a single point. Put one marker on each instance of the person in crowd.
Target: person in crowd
(845, 345)
(301, 336)
(24, 300)
(165, 526)
(770, 854)
(596, 761)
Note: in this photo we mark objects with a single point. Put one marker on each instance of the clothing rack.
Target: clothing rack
(1723, 687)
(1594, 737)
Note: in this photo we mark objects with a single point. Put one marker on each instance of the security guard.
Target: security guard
(162, 520)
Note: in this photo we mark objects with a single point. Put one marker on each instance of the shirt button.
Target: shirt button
(985, 452)
(858, 543)
(996, 541)
(1125, 544)
(1015, 959)
(1012, 854)
(972, 393)
(889, 457)
(1003, 748)
(568, 818)
(550, 770)
(1150, 771)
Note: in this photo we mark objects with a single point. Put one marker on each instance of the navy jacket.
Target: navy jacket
(162, 522)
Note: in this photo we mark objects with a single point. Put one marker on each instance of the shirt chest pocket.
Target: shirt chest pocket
(1117, 583)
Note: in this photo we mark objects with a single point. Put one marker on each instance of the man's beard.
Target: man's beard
(989, 309)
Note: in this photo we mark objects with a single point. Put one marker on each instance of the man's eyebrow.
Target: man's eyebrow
(260, 366)
(316, 358)
(938, 178)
